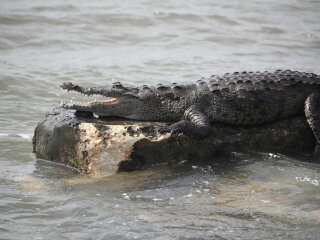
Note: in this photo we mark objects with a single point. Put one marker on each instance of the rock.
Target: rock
(97, 146)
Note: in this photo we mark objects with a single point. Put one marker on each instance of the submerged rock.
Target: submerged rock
(106, 146)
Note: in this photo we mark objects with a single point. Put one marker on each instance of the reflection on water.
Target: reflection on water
(247, 196)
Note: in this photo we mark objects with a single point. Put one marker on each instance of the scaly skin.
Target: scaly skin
(247, 98)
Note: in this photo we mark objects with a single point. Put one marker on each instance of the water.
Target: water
(251, 196)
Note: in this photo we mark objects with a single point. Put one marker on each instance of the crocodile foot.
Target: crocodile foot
(174, 132)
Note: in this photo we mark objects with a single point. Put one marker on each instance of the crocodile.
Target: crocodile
(239, 98)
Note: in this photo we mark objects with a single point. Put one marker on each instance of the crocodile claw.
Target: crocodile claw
(164, 129)
(174, 132)
(173, 136)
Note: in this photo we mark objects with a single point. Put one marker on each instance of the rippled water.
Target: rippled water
(251, 196)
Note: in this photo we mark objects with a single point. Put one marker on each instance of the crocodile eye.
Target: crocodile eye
(117, 84)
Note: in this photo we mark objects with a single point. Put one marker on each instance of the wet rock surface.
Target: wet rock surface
(105, 146)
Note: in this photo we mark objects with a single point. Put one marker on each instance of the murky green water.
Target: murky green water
(251, 196)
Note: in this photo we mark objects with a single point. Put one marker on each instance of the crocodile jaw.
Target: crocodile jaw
(119, 107)
(89, 106)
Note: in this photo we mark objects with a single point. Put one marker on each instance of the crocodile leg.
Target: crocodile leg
(193, 122)
(312, 112)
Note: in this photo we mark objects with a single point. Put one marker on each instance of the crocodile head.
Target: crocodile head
(125, 101)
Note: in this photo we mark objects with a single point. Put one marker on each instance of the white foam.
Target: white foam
(308, 179)
(25, 136)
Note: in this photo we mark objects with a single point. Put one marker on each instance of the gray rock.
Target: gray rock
(102, 147)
